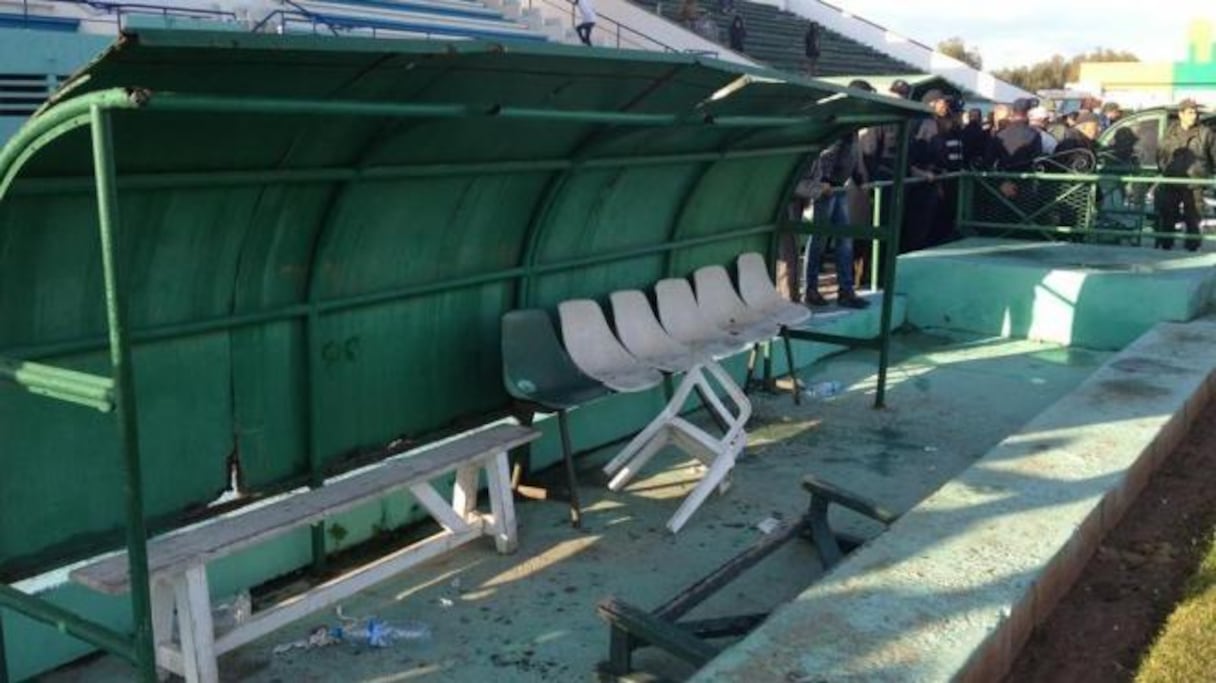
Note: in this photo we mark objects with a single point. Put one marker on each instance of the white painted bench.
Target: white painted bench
(177, 562)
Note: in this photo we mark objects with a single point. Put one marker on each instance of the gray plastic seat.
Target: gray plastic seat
(539, 375)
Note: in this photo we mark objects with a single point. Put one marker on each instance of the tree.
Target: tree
(1057, 71)
(956, 48)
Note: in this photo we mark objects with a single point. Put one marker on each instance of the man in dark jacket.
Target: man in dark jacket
(1188, 150)
(975, 139)
(1016, 145)
(1076, 150)
(935, 149)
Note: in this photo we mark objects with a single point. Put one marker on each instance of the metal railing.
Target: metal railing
(116, 12)
(624, 36)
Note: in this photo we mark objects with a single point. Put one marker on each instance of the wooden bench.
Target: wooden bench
(177, 562)
(632, 628)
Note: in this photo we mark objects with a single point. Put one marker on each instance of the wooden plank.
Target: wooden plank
(464, 491)
(342, 587)
(195, 627)
(695, 594)
(502, 504)
(650, 629)
(173, 553)
(438, 508)
(162, 621)
(724, 627)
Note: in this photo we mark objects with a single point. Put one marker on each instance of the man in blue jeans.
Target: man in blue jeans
(837, 164)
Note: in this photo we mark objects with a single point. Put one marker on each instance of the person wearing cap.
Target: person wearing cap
(1188, 150)
(1111, 112)
(936, 148)
(1081, 136)
(1077, 153)
(1037, 118)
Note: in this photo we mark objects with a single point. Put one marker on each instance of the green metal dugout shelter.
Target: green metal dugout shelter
(282, 250)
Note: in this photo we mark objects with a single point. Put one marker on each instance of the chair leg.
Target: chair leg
(576, 512)
(752, 358)
(793, 371)
(639, 459)
(521, 458)
(721, 467)
(705, 402)
(3, 658)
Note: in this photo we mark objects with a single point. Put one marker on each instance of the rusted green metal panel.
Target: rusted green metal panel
(321, 235)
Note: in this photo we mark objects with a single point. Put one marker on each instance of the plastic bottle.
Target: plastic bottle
(378, 633)
(825, 389)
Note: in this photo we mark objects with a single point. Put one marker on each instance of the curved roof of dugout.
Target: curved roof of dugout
(318, 237)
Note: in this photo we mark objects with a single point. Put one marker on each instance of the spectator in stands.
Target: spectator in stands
(975, 139)
(738, 33)
(1188, 150)
(1037, 117)
(688, 12)
(811, 48)
(586, 19)
(836, 166)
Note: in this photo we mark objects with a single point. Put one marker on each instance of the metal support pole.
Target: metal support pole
(3, 658)
(315, 475)
(125, 406)
(876, 245)
(888, 271)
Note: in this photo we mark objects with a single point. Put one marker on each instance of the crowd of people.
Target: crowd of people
(1023, 136)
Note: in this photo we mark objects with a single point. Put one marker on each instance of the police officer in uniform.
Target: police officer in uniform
(1188, 150)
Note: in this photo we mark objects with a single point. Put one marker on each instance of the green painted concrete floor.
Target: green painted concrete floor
(531, 616)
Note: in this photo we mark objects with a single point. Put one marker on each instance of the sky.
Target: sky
(1021, 32)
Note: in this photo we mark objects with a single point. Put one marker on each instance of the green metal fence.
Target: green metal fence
(1097, 208)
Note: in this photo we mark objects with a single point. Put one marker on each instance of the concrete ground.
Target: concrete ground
(531, 616)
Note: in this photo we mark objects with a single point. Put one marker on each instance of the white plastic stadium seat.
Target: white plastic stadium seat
(721, 305)
(595, 350)
(685, 322)
(758, 292)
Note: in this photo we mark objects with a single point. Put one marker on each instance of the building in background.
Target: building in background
(1137, 85)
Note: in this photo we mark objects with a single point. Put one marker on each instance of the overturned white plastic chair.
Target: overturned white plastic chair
(647, 341)
(596, 351)
(685, 322)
